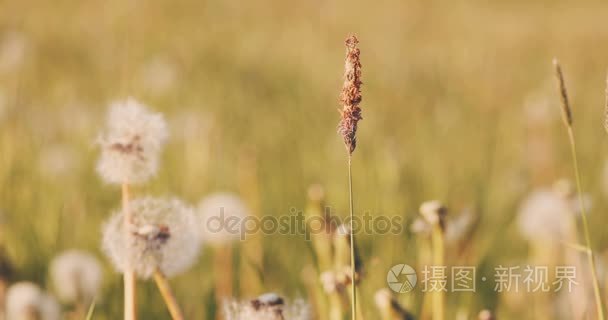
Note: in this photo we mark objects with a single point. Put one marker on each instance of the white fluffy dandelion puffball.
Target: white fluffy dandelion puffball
(222, 217)
(545, 216)
(26, 301)
(268, 306)
(131, 143)
(163, 235)
(76, 276)
(433, 212)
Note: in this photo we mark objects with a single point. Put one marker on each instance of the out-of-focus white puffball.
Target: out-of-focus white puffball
(26, 301)
(76, 276)
(268, 306)
(131, 144)
(164, 235)
(545, 216)
(222, 216)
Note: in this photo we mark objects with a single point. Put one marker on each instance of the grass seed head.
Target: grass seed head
(351, 95)
(563, 94)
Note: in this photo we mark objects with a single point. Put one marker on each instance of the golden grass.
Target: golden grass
(567, 117)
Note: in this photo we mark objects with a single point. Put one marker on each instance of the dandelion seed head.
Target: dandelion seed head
(131, 143)
(389, 307)
(270, 298)
(455, 228)
(22, 299)
(433, 212)
(316, 193)
(383, 298)
(163, 234)
(459, 226)
(269, 306)
(330, 282)
(76, 276)
(545, 216)
(217, 212)
(485, 315)
(26, 301)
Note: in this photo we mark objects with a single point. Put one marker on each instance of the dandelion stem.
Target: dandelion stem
(168, 296)
(352, 240)
(438, 297)
(590, 256)
(90, 311)
(337, 301)
(129, 274)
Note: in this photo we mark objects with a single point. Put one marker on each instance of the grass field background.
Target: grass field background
(455, 95)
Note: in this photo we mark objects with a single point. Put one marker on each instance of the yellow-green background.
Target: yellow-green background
(445, 89)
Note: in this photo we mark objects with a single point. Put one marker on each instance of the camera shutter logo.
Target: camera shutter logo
(401, 278)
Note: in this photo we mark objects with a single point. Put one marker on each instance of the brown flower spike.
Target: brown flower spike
(351, 95)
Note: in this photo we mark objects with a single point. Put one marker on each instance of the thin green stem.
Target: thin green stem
(168, 295)
(590, 256)
(352, 241)
(91, 310)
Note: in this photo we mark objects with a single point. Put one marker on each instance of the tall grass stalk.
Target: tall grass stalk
(337, 303)
(567, 118)
(336, 311)
(350, 116)
(168, 296)
(130, 292)
(352, 239)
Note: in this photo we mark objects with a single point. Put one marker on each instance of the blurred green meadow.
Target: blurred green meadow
(459, 104)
